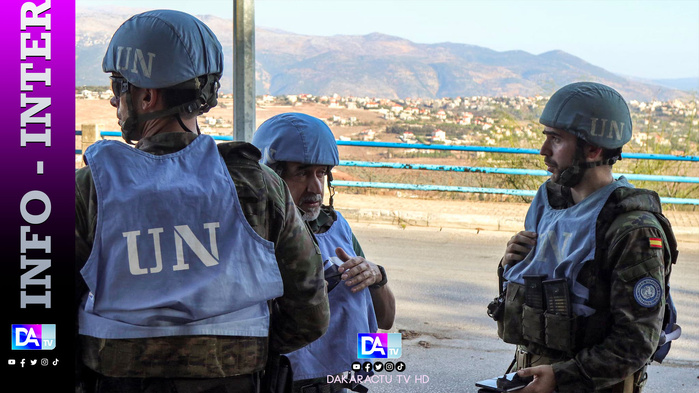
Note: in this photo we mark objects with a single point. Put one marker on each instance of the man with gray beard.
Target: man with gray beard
(302, 150)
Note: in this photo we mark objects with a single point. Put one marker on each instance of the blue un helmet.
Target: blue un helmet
(296, 137)
(596, 114)
(164, 49)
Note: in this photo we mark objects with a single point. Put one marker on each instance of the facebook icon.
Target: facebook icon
(379, 345)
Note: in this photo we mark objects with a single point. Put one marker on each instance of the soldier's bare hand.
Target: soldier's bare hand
(544, 379)
(357, 272)
(518, 247)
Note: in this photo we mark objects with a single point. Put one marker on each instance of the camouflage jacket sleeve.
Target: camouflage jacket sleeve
(302, 314)
(85, 222)
(635, 317)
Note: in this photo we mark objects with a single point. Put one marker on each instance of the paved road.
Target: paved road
(443, 280)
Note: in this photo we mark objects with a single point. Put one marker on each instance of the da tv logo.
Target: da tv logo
(379, 345)
(33, 337)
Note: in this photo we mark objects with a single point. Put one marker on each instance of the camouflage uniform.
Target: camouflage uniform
(620, 338)
(299, 317)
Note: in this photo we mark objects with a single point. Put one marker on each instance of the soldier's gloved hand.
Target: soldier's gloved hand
(518, 247)
(544, 379)
(357, 272)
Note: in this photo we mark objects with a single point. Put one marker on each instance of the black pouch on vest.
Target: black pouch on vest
(533, 310)
(560, 332)
(557, 298)
(510, 327)
(559, 319)
(533, 324)
(534, 291)
(278, 376)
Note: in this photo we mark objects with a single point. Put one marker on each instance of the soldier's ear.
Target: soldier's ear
(150, 99)
(592, 153)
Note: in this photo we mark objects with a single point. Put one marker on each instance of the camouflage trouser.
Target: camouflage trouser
(249, 383)
(634, 383)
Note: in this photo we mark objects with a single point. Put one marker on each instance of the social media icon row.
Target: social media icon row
(378, 366)
(32, 362)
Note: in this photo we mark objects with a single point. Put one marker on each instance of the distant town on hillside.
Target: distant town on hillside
(668, 127)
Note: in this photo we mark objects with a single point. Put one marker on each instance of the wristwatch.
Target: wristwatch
(384, 279)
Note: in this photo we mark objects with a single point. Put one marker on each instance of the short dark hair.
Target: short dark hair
(175, 97)
(607, 154)
(279, 167)
(611, 153)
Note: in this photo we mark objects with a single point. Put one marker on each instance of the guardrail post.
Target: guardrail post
(90, 134)
(244, 70)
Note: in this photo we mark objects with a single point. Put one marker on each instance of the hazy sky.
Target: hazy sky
(642, 38)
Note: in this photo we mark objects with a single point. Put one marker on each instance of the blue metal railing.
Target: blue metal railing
(509, 150)
(487, 149)
(501, 191)
(507, 171)
(488, 170)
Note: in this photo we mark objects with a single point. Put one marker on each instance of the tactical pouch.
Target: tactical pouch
(510, 326)
(560, 332)
(533, 324)
(278, 376)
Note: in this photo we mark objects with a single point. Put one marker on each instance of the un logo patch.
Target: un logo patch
(647, 292)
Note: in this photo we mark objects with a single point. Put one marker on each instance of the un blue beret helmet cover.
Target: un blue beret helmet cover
(163, 48)
(592, 111)
(296, 137)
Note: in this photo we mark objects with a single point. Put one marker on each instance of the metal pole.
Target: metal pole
(244, 70)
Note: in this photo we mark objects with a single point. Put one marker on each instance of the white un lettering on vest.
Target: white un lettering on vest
(548, 242)
(181, 233)
(614, 130)
(124, 58)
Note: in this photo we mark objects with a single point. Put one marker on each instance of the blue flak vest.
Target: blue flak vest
(173, 254)
(566, 241)
(350, 314)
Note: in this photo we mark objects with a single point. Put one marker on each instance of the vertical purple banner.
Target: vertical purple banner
(37, 161)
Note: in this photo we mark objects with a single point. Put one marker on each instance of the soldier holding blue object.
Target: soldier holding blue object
(192, 261)
(584, 289)
(302, 149)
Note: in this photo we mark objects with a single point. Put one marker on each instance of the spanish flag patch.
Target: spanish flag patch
(655, 242)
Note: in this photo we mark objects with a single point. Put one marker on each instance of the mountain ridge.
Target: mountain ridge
(375, 64)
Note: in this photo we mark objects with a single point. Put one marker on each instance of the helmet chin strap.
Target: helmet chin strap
(330, 187)
(184, 127)
(571, 176)
(206, 86)
(129, 128)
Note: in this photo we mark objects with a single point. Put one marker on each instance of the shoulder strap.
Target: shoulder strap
(612, 220)
(669, 236)
(670, 329)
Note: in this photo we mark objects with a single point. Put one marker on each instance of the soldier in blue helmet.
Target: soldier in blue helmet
(192, 261)
(302, 150)
(584, 288)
